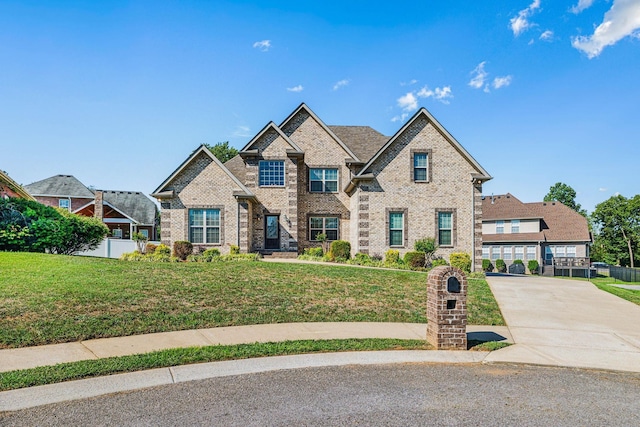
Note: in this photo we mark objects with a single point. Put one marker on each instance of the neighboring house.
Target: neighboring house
(10, 188)
(124, 212)
(301, 178)
(542, 231)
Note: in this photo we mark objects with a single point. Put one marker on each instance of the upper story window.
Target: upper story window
(323, 180)
(271, 173)
(499, 227)
(420, 167)
(515, 225)
(204, 226)
(64, 204)
(445, 228)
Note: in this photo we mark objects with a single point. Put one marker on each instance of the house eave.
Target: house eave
(356, 179)
(163, 195)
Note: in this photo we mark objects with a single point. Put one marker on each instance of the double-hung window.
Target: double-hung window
(323, 225)
(571, 251)
(204, 226)
(64, 204)
(495, 252)
(485, 252)
(507, 253)
(323, 180)
(499, 227)
(396, 228)
(271, 173)
(420, 167)
(519, 252)
(531, 252)
(445, 228)
(515, 225)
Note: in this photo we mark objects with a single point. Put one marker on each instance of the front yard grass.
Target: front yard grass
(605, 284)
(47, 299)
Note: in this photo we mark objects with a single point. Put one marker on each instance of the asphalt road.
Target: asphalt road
(409, 394)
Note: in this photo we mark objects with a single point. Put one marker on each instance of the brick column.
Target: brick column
(98, 210)
(447, 308)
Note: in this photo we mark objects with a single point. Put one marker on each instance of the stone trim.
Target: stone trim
(428, 152)
(405, 232)
(454, 226)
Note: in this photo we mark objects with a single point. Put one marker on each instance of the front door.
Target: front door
(271, 232)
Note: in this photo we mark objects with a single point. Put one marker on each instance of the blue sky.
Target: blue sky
(119, 93)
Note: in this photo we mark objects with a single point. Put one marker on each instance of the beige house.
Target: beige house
(541, 231)
(301, 178)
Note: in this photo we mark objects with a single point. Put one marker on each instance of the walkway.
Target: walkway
(566, 323)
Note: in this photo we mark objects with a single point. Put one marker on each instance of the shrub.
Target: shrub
(151, 248)
(182, 249)
(162, 250)
(392, 256)
(209, 254)
(141, 242)
(315, 252)
(234, 250)
(533, 266)
(438, 262)
(486, 265)
(340, 250)
(195, 258)
(239, 257)
(462, 260)
(476, 275)
(414, 259)
(501, 266)
(517, 261)
(427, 245)
(132, 256)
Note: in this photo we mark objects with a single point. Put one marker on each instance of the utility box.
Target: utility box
(447, 308)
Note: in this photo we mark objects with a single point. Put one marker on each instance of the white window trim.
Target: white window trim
(324, 227)
(426, 168)
(401, 229)
(204, 226)
(67, 202)
(323, 180)
(500, 227)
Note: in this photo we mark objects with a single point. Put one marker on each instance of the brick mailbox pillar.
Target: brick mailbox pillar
(447, 308)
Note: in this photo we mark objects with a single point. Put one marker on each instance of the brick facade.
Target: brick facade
(447, 309)
(361, 205)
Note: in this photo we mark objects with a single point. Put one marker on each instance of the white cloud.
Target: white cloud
(340, 84)
(499, 82)
(408, 102)
(521, 22)
(547, 36)
(409, 83)
(298, 88)
(401, 118)
(582, 5)
(242, 131)
(263, 45)
(602, 189)
(477, 81)
(622, 20)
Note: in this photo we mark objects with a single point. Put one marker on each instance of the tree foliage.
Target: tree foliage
(617, 222)
(563, 193)
(29, 226)
(222, 151)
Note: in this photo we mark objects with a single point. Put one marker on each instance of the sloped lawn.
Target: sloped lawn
(48, 299)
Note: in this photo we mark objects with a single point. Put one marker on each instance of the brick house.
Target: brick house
(10, 188)
(541, 231)
(295, 180)
(123, 212)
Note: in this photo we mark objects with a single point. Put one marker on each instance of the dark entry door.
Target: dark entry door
(271, 232)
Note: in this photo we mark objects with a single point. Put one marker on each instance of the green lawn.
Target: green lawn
(604, 283)
(51, 299)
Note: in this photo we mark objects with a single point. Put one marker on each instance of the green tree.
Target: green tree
(222, 151)
(563, 193)
(617, 221)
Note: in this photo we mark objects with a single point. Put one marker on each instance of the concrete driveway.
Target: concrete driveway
(566, 323)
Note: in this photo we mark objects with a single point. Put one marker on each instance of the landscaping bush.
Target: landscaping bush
(340, 250)
(209, 254)
(182, 249)
(151, 248)
(461, 260)
(414, 259)
(141, 242)
(162, 250)
(501, 266)
(487, 266)
(234, 250)
(533, 266)
(477, 275)
(392, 256)
(314, 252)
(438, 262)
(428, 246)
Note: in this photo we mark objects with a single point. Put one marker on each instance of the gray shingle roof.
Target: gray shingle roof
(60, 185)
(364, 141)
(133, 204)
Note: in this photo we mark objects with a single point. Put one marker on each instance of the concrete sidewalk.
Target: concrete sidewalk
(572, 323)
(31, 357)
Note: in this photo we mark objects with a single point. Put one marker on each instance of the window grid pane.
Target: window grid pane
(204, 225)
(396, 229)
(323, 180)
(531, 252)
(507, 253)
(323, 225)
(519, 252)
(271, 173)
(445, 228)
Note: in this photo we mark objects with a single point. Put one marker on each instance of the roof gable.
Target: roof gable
(158, 193)
(303, 107)
(14, 186)
(482, 174)
(271, 126)
(60, 186)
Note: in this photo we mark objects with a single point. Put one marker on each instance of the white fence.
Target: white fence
(112, 248)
